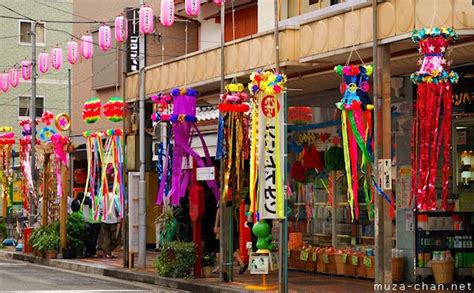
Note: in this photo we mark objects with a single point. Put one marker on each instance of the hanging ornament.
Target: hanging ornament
(47, 117)
(57, 58)
(113, 109)
(183, 120)
(72, 52)
(192, 7)
(87, 46)
(357, 132)
(60, 143)
(167, 12)
(105, 38)
(121, 28)
(432, 123)
(91, 110)
(146, 20)
(43, 62)
(14, 77)
(62, 122)
(46, 133)
(4, 82)
(218, 2)
(26, 69)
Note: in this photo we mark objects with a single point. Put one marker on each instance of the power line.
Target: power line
(16, 12)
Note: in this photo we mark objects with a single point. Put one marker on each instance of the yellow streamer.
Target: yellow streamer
(347, 161)
(279, 179)
(253, 156)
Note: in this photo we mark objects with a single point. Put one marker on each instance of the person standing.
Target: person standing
(93, 227)
(110, 222)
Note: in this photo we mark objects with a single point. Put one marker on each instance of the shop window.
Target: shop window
(25, 33)
(24, 106)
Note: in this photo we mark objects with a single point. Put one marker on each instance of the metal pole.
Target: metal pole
(222, 204)
(71, 161)
(33, 119)
(142, 183)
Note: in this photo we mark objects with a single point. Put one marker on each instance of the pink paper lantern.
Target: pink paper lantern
(105, 38)
(43, 62)
(192, 7)
(4, 82)
(147, 24)
(72, 52)
(218, 2)
(121, 28)
(14, 77)
(57, 58)
(167, 12)
(87, 46)
(26, 70)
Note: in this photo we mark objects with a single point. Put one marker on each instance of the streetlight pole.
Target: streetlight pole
(141, 133)
(33, 121)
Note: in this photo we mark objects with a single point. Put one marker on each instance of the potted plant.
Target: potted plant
(167, 224)
(76, 236)
(176, 260)
(208, 262)
(51, 245)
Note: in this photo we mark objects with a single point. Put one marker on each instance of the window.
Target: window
(25, 32)
(24, 106)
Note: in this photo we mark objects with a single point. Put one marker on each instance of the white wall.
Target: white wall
(210, 34)
(266, 15)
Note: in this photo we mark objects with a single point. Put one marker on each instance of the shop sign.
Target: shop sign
(205, 173)
(355, 260)
(385, 173)
(460, 99)
(133, 41)
(304, 255)
(367, 261)
(270, 146)
(259, 264)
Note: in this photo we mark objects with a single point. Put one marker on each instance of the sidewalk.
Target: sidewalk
(298, 282)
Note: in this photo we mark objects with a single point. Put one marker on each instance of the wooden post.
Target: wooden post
(5, 202)
(383, 222)
(333, 175)
(44, 209)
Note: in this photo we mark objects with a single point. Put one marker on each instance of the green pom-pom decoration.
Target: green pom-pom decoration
(338, 69)
(369, 69)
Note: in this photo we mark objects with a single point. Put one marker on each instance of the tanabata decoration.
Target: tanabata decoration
(60, 144)
(46, 133)
(4, 82)
(192, 7)
(27, 184)
(91, 110)
(47, 117)
(26, 70)
(233, 131)
(7, 140)
(57, 58)
(43, 62)
(105, 38)
(62, 122)
(218, 2)
(72, 52)
(167, 12)
(356, 121)
(121, 28)
(113, 109)
(146, 20)
(14, 77)
(432, 124)
(87, 46)
(266, 153)
(183, 119)
(26, 127)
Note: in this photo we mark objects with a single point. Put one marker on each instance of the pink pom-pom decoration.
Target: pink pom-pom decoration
(43, 62)
(147, 24)
(26, 70)
(121, 28)
(4, 82)
(57, 58)
(14, 77)
(105, 38)
(87, 46)
(72, 52)
(167, 12)
(218, 2)
(192, 7)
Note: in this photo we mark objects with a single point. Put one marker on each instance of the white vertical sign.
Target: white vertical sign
(133, 178)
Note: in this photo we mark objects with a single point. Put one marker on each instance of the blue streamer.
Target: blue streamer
(220, 152)
(380, 191)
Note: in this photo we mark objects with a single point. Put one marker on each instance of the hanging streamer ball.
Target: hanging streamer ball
(14, 77)
(57, 58)
(91, 110)
(4, 82)
(46, 133)
(121, 28)
(105, 38)
(87, 46)
(192, 7)
(167, 12)
(47, 117)
(147, 24)
(72, 52)
(26, 70)
(113, 109)
(43, 62)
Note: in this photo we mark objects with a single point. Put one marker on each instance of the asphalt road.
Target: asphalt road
(16, 276)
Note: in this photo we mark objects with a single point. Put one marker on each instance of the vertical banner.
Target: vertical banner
(133, 43)
(270, 156)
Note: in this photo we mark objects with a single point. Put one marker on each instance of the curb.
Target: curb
(187, 285)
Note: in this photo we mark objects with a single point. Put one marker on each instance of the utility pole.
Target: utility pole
(71, 161)
(33, 121)
(141, 133)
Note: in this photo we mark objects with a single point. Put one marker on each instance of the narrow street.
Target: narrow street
(16, 276)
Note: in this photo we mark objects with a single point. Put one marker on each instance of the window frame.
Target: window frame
(42, 44)
(28, 96)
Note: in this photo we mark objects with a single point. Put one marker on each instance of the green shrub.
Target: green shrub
(176, 260)
(45, 238)
(209, 260)
(76, 233)
(3, 229)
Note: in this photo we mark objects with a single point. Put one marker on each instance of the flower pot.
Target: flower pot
(207, 272)
(51, 254)
(67, 253)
